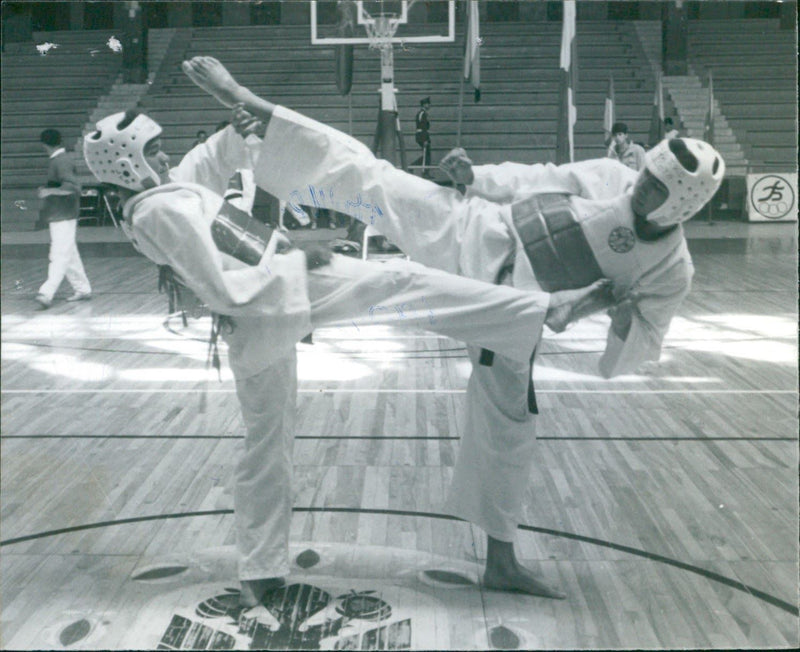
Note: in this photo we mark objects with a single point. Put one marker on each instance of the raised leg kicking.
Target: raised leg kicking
(431, 224)
(533, 227)
(177, 217)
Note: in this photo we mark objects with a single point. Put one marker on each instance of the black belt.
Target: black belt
(558, 251)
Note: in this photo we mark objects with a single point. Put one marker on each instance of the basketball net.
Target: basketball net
(381, 30)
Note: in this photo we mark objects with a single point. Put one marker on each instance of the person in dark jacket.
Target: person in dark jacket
(60, 207)
(422, 136)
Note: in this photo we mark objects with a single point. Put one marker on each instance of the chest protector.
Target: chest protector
(239, 234)
(235, 233)
(555, 243)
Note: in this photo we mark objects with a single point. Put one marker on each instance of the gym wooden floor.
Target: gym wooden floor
(664, 504)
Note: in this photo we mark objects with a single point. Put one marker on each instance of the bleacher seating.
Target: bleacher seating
(519, 69)
(516, 118)
(754, 68)
(55, 90)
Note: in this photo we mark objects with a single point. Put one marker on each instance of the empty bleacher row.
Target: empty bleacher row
(516, 119)
(754, 68)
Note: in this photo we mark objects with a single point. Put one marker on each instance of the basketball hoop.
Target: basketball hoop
(380, 31)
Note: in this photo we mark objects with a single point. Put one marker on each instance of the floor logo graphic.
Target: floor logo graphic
(298, 617)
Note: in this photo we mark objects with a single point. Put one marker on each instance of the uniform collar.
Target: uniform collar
(131, 202)
(60, 150)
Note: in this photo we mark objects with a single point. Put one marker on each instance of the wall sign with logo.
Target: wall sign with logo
(772, 197)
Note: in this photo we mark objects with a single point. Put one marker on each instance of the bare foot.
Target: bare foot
(518, 579)
(504, 573)
(568, 306)
(210, 75)
(253, 591)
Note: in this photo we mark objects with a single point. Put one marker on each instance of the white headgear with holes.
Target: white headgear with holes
(116, 155)
(688, 190)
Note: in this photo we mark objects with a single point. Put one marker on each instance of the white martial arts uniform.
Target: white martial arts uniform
(472, 236)
(276, 302)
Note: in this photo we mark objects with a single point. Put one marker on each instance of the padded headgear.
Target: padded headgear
(116, 155)
(692, 171)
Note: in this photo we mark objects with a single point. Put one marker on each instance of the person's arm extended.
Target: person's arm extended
(592, 179)
(210, 75)
(211, 164)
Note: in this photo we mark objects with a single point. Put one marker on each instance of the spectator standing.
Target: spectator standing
(422, 136)
(60, 208)
(200, 138)
(622, 149)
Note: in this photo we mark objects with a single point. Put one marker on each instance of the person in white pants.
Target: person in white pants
(60, 207)
(272, 295)
(572, 224)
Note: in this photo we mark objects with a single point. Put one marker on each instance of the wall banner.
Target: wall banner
(772, 197)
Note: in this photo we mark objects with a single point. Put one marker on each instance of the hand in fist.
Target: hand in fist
(458, 166)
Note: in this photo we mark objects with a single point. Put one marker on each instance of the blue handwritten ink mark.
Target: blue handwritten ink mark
(431, 318)
(355, 204)
(357, 328)
(375, 210)
(296, 196)
(399, 310)
(319, 199)
(372, 310)
(313, 192)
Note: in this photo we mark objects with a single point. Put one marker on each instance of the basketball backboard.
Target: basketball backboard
(408, 23)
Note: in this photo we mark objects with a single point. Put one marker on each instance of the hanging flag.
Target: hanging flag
(344, 52)
(472, 52)
(708, 128)
(657, 117)
(608, 112)
(567, 116)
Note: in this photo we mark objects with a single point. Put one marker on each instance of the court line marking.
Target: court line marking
(399, 437)
(697, 570)
(364, 390)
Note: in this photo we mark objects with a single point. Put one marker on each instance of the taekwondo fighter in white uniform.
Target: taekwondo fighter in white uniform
(276, 294)
(555, 228)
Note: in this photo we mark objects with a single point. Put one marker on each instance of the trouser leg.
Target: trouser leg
(497, 317)
(497, 450)
(263, 488)
(434, 225)
(75, 273)
(62, 235)
(428, 222)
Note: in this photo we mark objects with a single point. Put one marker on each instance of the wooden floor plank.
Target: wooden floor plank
(694, 459)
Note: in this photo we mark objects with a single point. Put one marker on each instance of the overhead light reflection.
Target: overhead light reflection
(70, 366)
(761, 351)
(329, 367)
(735, 324)
(168, 374)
